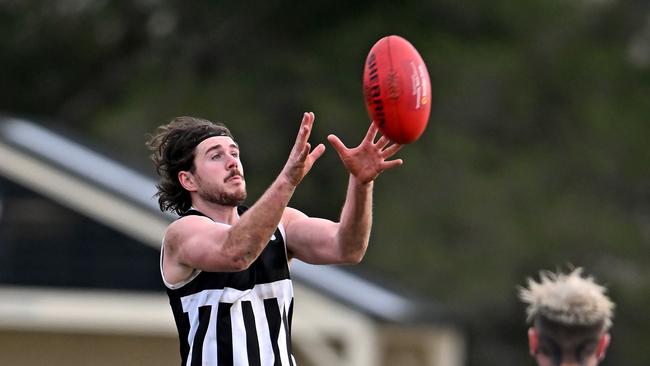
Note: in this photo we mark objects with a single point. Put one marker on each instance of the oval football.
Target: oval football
(397, 89)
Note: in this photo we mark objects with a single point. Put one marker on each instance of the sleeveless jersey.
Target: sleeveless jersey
(237, 318)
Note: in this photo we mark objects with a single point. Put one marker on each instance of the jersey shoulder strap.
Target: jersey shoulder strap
(195, 212)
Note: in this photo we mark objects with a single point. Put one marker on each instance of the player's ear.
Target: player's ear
(187, 180)
(603, 343)
(533, 341)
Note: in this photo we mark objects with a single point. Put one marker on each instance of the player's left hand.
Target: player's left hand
(366, 161)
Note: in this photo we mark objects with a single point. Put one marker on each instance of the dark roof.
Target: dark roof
(109, 185)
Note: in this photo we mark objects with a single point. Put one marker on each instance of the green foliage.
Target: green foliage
(536, 154)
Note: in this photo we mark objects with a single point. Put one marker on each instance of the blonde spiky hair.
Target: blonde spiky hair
(568, 299)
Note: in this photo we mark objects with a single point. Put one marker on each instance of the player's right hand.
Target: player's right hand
(302, 158)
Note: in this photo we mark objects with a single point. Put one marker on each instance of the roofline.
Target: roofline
(87, 311)
(88, 199)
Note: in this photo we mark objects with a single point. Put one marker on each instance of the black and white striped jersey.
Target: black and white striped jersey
(237, 318)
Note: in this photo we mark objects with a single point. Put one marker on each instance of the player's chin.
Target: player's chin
(241, 194)
(232, 198)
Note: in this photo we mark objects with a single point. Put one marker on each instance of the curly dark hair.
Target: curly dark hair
(173, 145)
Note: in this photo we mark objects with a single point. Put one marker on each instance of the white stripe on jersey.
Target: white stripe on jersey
(281, 289)
(210, 353)
(282, 339)
(262, 327)
(239, 352)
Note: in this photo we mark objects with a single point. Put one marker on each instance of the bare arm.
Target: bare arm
(321, 241)
(196, 242)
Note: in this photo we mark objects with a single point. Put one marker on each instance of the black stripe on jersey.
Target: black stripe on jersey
(184, 343)
(204, 320)
(290, 313)
(287, 334)
(224, 335)
(273, 319)
(252, 344)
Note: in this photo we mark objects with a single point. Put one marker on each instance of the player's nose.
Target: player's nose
(231, 162)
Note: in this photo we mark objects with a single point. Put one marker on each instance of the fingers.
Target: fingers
(313, 154)
(391, 150)
(372, 132)
(302, 143)
(392, 164)
(305, 128)
(304, 152)
(383, 141)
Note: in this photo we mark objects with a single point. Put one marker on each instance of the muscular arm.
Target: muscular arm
(321, 241)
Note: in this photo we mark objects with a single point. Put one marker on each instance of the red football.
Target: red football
(397, 89)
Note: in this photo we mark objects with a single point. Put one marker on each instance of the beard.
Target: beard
(220, 196)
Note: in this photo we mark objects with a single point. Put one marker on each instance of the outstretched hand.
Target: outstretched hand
(366, 161)
(302, 158)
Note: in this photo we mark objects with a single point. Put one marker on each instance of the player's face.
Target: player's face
(218, 171)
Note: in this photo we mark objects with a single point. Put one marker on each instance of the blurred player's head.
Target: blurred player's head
(570, 316)
(174, 147)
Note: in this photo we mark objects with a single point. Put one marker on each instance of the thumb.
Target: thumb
(317, 152)
(337, 144)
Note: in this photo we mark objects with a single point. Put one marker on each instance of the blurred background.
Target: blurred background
(535, 157)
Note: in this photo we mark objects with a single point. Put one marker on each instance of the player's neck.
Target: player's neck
(218, 213)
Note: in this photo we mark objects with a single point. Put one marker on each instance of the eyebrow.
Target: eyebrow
(219, 146)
